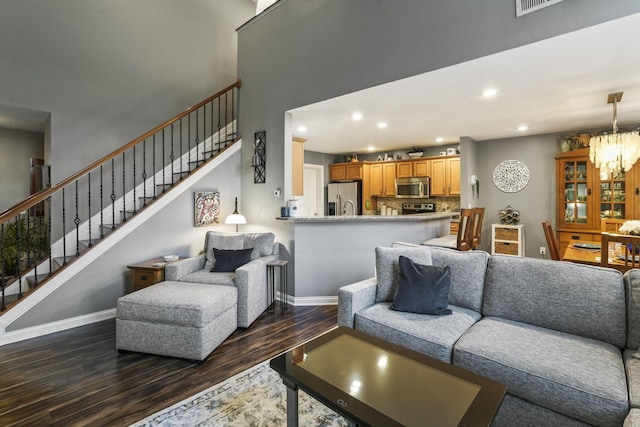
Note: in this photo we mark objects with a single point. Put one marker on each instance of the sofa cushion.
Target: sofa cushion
(579, 377)
(206, 276)
(426, 334)
(261, 243)
(468, 269)
(177, 303)
(387, 267)
(422, 288)
(220, 240)
(577, 299)
(228, 260)
(632, 367)
(632, 289)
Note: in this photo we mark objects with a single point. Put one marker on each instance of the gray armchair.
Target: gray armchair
(250, 279)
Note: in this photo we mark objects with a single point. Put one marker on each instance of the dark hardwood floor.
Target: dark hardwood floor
(78, 378)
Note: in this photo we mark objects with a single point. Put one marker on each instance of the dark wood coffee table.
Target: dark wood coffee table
(371, 382)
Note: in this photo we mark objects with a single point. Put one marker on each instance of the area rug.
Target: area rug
(255, 397)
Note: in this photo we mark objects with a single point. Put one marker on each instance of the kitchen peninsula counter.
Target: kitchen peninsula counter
(329, 252)
(371, 218)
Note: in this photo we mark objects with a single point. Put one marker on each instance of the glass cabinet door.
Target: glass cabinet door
(613, 196)
(575, 191)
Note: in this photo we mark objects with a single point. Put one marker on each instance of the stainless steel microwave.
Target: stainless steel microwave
(412, 188)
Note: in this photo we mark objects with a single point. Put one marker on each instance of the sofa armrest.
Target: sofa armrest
(175, 270)
(353, 298)
(251, 281)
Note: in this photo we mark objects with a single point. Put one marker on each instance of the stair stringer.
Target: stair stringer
(44, 290)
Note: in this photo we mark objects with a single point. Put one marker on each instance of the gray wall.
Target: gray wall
(308, 51)
(16, 148)
(536, 202)
(108, 71)
(170, 231)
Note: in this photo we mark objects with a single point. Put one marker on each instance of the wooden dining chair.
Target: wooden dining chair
(478, 216)
(611, 225)
(552, 242)
(461, 241)
(619, 251)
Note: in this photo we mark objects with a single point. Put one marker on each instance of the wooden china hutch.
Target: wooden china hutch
(583, 197)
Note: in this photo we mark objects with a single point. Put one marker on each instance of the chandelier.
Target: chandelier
(616, 152)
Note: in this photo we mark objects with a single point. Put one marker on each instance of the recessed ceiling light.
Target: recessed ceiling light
(356, 116)
(490, 92)
(302, 128)
(439, 139)
(371, 148)
(382, 125)
(522, 128)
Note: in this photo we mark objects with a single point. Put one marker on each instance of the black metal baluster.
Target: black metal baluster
(76, 221)
(153, 166)
(219, 124)
(164, 179)
(49, 227)
(181, 152)
(101, 205)
(213, 147)
(113, 194)
(90, 240)
(37, 227)
(226, 119)
(197, 141)
(19, 249)
(233, 115)
(144, 173)
(172, 157)
(124, 193)
(189, 140)
(124, 189)
(204, 131)
(64, 231)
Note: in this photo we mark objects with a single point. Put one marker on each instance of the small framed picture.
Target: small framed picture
(206, 208)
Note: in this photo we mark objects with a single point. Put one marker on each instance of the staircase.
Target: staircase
(46, 234)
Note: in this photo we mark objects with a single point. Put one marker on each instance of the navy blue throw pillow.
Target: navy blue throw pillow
(227, 260)
(422, 289)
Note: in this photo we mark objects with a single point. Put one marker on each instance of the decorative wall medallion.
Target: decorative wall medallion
(511, 176)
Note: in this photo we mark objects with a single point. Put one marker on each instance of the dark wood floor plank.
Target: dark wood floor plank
(78, 378)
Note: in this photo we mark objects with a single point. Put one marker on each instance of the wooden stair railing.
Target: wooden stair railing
(53, 227)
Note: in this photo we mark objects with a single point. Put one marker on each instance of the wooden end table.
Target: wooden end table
(147, 273)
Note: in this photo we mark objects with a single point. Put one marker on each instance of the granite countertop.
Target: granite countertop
(370, 218)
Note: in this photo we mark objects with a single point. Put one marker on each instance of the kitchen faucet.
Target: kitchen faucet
(353, 207)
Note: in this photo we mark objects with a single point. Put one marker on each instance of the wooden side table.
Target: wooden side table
(282, 266)
(147, 273)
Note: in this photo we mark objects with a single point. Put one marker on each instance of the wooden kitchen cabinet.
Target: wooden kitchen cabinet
(404, 170)
(383, 179)
(351, 171)
(445, 176)
(421, 168)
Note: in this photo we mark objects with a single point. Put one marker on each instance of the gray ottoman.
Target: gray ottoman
(179, 319)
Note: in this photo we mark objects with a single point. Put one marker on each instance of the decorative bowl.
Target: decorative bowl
(168, 258)
(415, 154)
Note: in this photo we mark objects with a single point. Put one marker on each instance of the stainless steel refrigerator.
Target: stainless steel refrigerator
(341, 196)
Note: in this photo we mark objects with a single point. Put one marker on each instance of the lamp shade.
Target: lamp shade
(235, 218)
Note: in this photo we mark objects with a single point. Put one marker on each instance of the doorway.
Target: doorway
(312, 203)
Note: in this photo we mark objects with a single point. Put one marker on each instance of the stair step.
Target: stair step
(31, 280)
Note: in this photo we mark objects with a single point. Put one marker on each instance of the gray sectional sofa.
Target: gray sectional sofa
(560, 336)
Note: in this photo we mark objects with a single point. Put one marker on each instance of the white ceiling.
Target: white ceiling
(556, 85)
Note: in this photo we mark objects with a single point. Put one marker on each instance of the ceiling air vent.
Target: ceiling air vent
(527, 6)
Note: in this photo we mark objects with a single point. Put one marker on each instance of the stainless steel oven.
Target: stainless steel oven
(412, 188)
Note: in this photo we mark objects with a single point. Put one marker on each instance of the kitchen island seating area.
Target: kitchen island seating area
(202, 300)
(560, 336)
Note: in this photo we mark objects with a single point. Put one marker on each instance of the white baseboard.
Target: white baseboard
(61, 325)
(302, 301)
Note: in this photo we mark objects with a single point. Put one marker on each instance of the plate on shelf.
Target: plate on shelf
(586, 245)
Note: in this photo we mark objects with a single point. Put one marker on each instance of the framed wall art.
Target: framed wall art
(206, 208)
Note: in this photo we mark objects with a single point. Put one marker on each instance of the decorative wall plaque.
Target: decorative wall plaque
(259, 158)
(206, 208)
(511, 176)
